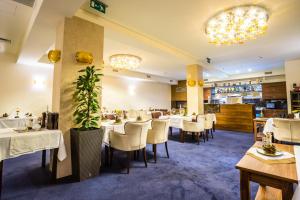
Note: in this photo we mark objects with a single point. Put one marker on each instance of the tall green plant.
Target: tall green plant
(86, 98)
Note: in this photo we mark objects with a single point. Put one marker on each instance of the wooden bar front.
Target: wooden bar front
(236, 117)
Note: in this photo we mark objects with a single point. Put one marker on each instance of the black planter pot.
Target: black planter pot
(86, 153)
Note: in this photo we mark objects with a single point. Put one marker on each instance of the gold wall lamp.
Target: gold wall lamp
(200, 83)
(191, 83)
(54, 56)
(84, 57)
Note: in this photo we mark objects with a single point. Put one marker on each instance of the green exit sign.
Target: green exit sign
(98, 5)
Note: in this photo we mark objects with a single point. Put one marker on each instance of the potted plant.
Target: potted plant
(86, 138)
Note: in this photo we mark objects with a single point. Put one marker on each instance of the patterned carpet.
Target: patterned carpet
(206, 171)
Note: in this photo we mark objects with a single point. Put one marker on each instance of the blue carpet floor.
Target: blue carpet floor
(206, 171)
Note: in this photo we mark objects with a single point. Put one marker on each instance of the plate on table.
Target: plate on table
(276, 154)
(21, 129)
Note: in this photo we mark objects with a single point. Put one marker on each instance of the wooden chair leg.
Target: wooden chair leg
(128, 161)
(145, 156)
(111, 153)
(182, 135)
(212, 134)
(214, 127)
(198, 138)
(138, 154)
(166, 145)
(106, 156)
(155, 151)
(170, 129)
(134, 155)
(44, 154)
(1, 176)
(206, 133)
(203, 136)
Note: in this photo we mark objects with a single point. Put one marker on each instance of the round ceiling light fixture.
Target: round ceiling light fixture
(237, 25)
(125, 61)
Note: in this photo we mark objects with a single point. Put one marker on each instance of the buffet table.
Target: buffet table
(14, 144)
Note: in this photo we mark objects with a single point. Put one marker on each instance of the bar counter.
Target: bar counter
(236, 117)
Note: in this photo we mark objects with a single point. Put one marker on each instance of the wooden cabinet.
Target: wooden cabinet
(206, 93)
(178, 92)
(236, 117)
(274, 91)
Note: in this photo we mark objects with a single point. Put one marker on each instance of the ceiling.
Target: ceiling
(168, 34)
(181, 24)
(14, 19)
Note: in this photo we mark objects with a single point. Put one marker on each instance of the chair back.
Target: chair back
(132, 114)
(135, 133)
(140, 140)
(161, 129)
(193, 126)
(209, 120)
(282, 129)
(295, 129)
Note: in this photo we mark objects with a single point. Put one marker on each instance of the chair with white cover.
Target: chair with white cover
(209, 122)
(158, 134)
(132, 114)
(196, 128)
(295, 129)
(282, 130)
(134, 139)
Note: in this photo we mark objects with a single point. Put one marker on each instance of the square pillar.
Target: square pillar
(73, 35)
(194, 81)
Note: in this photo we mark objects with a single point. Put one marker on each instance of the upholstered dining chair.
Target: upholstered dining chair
(295, 129)
(158, 134)
(133, 140)
(132, 114)
(196, 128)
(282, 130)
(209, 122)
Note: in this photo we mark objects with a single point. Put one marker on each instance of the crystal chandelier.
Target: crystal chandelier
(125, 61)
(237, 24)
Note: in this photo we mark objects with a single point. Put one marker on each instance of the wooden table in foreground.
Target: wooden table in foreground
(279, 176)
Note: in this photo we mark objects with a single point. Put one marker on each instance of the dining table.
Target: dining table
(15, 122)
(279, 175)
(14, 143)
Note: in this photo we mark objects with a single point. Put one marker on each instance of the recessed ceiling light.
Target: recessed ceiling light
(237, 71)
(249, 70)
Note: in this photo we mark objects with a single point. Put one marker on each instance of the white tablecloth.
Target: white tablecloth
(14, 122)
(176, 121)
(13, 144)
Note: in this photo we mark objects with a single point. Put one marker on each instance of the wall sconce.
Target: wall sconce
(54, 56)
(201, 83)
(84, 57)
(39, 83)
(191, 83)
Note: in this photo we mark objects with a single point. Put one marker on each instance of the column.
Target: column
(194, 81)
(73, 35)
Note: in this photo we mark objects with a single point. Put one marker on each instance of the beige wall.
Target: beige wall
(127, 93)
(292, 75)
(17, 88)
